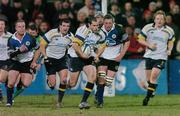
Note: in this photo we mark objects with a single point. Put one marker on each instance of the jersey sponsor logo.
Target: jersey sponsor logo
(27, 43)
(110, 42)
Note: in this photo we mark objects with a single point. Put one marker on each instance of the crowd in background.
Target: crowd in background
(132, 14)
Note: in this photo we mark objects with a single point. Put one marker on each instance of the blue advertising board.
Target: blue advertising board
(174, 76)
(130, 79)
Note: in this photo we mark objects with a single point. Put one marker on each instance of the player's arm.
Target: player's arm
(78, 41)
(35, 59)
(77, 48)
(170, 46)
(142, 40)
(13, 52)
(43, 45)
(123, 52)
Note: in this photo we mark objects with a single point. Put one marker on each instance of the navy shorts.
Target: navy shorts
(56, 65)
(111, 64)
(76, 63)
(22, 67)
(151, 63)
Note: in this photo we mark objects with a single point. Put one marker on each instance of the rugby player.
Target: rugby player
(54, 49)
(86, 35)
(21, 44)
(117, 45)
(4, 62)
(158, 39)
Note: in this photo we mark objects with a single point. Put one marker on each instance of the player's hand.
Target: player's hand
(84, 56)
(96, 59)
(168, 52)
(33, 65)
(23, 48)
(153, 46)
(118, 58)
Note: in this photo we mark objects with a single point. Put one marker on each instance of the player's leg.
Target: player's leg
(74, 76)
(102, 71)
(158, 65)
(3, 79)
(75, 67)
(90, 72)
(19, 87)
(62, 86)
(101, 83)
(12, 78)
(51, 72)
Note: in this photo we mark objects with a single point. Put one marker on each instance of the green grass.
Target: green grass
(125, 105)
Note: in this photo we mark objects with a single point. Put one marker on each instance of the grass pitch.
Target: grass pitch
(122, 105)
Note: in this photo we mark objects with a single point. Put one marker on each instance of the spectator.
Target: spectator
(147, 17)
(81, 19)
(7, 10)
(88, 5)
(135, 50)
(176, 14)
(115, 12)
(170, 22)
(43, 27)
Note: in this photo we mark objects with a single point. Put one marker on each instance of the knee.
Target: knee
(72, 84)
(10, 85)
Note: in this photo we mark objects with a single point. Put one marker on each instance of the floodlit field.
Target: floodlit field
(124, 105)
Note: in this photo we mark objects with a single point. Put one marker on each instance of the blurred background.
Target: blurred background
(132, 14)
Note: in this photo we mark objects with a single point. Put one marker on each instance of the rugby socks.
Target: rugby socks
(19, 90)
(9, 95)
(151, 88)
(87, 91)
(100, 92)
(61, 91)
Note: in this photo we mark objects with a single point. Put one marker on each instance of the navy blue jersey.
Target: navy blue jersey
(115, 36)
(14, 44)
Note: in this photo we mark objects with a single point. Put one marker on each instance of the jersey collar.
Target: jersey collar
(113, 27)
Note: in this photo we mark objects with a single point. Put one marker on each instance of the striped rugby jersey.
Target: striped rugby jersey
(14, 43)
(84, 35)
(57, 44)
(4, 45)
(159, 37)
(114, 39)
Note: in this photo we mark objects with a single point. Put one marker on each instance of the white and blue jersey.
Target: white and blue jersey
(57, 43)
(14, 43)
(4, 46)
(160, 37)
(114, 39)
(86, 36)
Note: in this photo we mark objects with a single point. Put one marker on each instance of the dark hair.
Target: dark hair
(65, 21)
(91, 19)
(32, 26)
(108, 16)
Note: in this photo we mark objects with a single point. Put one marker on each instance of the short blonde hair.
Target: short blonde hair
(160, 12)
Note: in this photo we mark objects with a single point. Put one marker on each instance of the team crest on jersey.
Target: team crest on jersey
(113, 36)
(27, 43)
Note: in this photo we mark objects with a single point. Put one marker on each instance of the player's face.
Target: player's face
(94, 26)
(159, 20)
(64, 28)
(108, 24)
(2, 26)
(20, 28)
(33, 33)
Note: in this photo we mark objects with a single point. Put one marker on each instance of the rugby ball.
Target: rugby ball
(86, 49)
